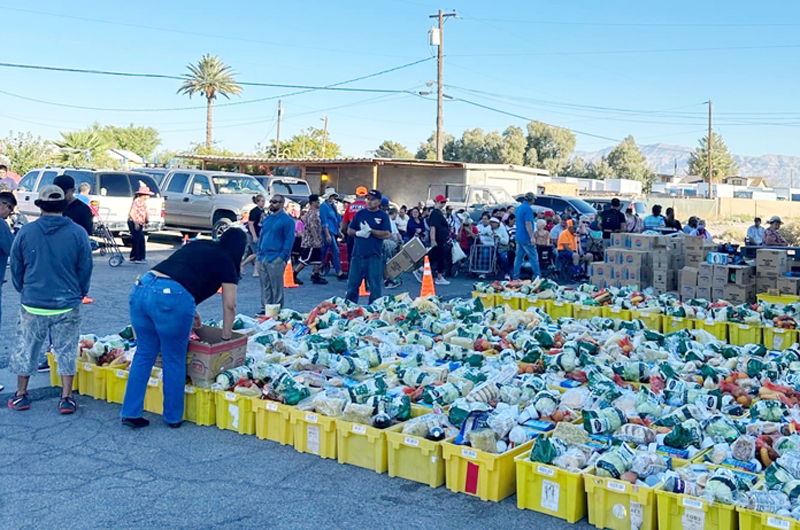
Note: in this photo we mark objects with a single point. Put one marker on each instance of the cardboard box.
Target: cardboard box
(771, 261)
(642, 242)
(635, 258)
(741, 274)
(706, 269)
(703, 292)
(613, 256)
(693, 261)
(687, 292)
(641, 275)
(618, 240)
(704, 280)
(407, 258)
(789, 286)
(688, 277)
(765, 284)
(210, 356)
(739, 294)
(717, 294)
(721, 271)
(719, 281)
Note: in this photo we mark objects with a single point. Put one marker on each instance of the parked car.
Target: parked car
(602, 203)
(296, 190)
(476, 199)
(207, 201)
(111, 193)
(559, 203)
(158, 173)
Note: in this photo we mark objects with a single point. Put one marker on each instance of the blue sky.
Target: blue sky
(606, 68)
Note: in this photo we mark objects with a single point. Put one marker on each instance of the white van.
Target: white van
(111, 194)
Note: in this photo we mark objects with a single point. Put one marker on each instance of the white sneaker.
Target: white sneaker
(441, 281)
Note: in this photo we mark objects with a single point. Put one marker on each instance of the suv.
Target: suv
(293, 189)
(111, 193)
(207, 201)
(603, 203)
(558, 203)
(158, 173)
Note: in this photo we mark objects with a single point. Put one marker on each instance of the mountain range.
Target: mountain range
(778, 170)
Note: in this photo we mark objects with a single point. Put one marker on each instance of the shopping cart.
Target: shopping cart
(482, 259)
(108, 245)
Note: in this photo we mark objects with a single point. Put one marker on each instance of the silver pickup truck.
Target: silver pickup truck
(477, 199)
(207, 201)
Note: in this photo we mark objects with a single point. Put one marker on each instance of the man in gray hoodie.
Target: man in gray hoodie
(51, 267)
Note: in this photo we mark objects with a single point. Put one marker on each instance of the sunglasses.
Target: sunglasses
(275, 202)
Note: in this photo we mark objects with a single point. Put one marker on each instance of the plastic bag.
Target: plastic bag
(545, 450)
(616, 462)
(356, 413)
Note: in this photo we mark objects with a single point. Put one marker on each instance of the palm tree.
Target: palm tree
(83, 148)
(210, 77)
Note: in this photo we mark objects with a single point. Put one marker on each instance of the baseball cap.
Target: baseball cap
(494, 220)
(65, 182)
(385, 201)
(440, 198)
(375, 194)
(313, 198)
(51, 193)
(361, 191)
(530, 196)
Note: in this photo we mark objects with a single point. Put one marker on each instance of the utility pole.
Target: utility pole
(278, 134)
(439, 42)
(710, 152)
(324, 134)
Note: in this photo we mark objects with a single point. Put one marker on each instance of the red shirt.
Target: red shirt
(352, 210)
(464, 238)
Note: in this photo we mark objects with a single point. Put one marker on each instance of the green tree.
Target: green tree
(390, 149)
(576, 168)
(210, 77)
(723, 164)
(24, 152)
(513, 149)
(628, 162)
(427, 149)
(83, 148)
(549, 146)
(141, 140)
(471, 147)
(306, 144)
(600, 170)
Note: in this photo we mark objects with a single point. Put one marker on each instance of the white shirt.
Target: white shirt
(502, 235)
(402, 222)
(756, 234)
(486, 234)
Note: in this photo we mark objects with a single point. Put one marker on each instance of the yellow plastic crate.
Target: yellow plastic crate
(616, 313)
(779, 338)
(235, 412)
(507, 299)
(414, 458)
(620, 505)
(718, 329)
(116, 383)
(752, 520)
(361, 445)
(675, 508)
(273, 421)
(558, 308)
(91, 380)
(652, 320)
(742, 334)
(487, 299)
(55, 379)
(582, 311)
(778, 299)
(487, 476)
(535, 301)
(199, 405)
(154, 395)
(550, 490)
(314, 433)
(673, 324)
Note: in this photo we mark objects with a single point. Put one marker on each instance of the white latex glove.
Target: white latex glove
(365, 231)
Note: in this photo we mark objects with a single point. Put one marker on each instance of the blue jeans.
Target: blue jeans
(162, 311)
(333, 246)
(369, 269)
(503, 262)
(528, 249)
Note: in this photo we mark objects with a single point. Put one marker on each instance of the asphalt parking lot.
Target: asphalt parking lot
(88, 471)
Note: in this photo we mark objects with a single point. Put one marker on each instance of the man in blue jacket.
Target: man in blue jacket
(331, 221)
(51, 267)
(274, 251)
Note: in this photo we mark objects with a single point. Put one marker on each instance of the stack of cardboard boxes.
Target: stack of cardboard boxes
(667, 263)
(772, 264)
(630, 260)
(696, 250)
(715, 278)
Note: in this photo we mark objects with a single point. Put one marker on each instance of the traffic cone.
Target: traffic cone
(427, 280)
(288, 276)
(362, 291)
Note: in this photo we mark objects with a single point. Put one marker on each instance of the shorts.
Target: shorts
(36, 332)
(310, 256)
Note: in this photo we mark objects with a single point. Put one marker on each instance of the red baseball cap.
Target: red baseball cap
(440, 198)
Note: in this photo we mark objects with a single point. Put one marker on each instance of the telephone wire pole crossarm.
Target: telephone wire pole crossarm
(438, 40)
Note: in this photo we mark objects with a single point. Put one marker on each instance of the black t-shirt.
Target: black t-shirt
(255, 217)
(612, 221)
(674, 223)
(438, 221)
(201, 267)
(81, 215)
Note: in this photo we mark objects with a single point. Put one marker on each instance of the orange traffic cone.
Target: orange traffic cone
(362, 291)
(427, 281)
(288, 276)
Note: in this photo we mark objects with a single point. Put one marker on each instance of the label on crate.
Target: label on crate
(693, 520)
(312, 437)
(359, 429)
(271, 406)
(551, 492)
(542, 470)
(469, 453)
(558, 303)
(311, 418)
(774, 522)
(615, 310)
(188, 389)
(586, 307)
(152, 381)
(637, 515)
(744, 326)
(230, 396)
(413, 442)
(122, 374)
(87, 367)
(689, 502)
(233, 412)
(616, 486)
(777, 340)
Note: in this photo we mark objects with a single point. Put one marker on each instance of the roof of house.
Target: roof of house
(119, 154)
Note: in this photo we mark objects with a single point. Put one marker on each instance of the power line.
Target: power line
(626, 52)
(642, 24)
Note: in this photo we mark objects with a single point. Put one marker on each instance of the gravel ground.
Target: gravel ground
(87, 471)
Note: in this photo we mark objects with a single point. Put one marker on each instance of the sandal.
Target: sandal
(67, 405)
(22, 402)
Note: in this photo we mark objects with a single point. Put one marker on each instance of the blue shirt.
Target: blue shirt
(365, 247)
(6, 239)
(651, 222)
(277, 237)
(330, 218)
(83, 198)
(525, 214)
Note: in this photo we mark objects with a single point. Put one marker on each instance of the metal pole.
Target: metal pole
(710, 153)
(324, 135)
(278, 134)
(439, 86)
